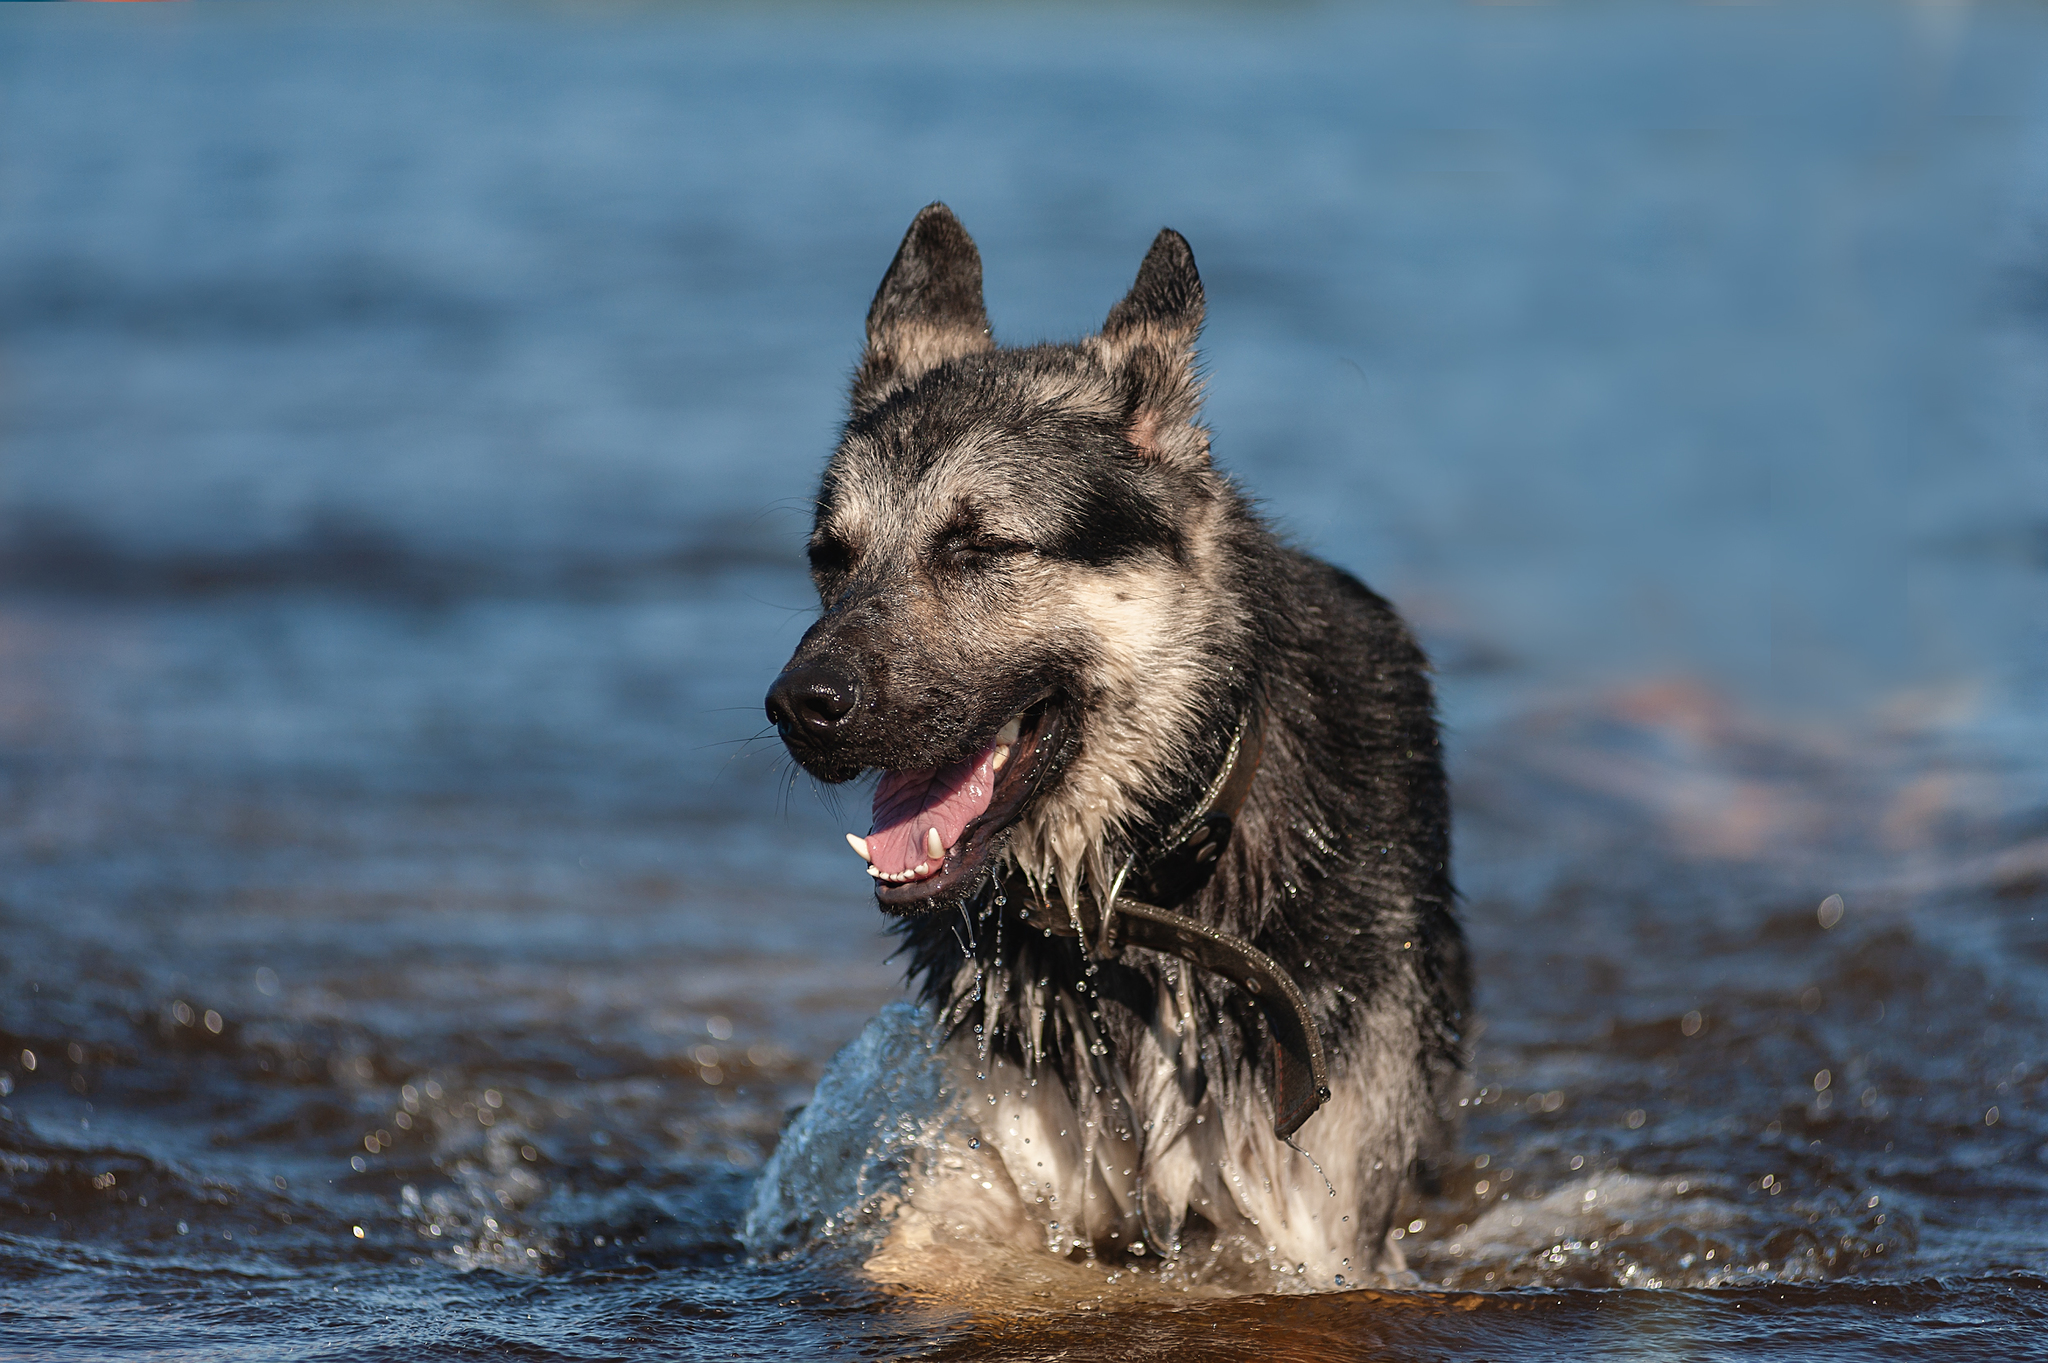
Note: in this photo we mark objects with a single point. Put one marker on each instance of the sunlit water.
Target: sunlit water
(405, 420)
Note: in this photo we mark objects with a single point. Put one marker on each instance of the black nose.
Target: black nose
(812, 699)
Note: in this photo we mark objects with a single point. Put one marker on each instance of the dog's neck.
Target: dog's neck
(1138, 910)
(1070, 948)
(1177, 865)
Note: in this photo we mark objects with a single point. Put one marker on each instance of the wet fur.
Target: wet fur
(997, 521)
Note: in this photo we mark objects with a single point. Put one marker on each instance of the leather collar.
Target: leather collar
(1140, 912)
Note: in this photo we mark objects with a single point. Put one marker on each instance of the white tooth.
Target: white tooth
(1001, 755)
(876, 872)
(1008, 733)
(859, 845)
(935, 849)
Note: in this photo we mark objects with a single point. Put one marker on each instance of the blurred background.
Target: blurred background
(407, 420)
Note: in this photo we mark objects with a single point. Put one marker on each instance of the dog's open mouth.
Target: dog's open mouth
(935, 829)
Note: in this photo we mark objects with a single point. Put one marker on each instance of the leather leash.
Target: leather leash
(1188, 857)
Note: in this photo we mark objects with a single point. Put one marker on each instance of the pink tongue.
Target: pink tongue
(909, 802)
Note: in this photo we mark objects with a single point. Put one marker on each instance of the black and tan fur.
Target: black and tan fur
(1001, 526)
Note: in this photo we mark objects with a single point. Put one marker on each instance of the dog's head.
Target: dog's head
(1017, 555)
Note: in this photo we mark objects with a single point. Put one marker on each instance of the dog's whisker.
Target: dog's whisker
(736, 742)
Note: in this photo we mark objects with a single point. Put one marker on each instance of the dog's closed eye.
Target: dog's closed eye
(968, 549)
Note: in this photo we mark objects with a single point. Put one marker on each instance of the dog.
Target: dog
(1161, 816)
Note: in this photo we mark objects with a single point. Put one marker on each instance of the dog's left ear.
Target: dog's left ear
(1148, 343)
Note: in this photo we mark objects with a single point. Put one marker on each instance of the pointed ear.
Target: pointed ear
(1148, 343)
(928, 310)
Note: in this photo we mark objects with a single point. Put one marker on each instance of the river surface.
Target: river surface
(409, 946)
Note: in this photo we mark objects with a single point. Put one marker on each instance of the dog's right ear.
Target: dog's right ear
(928, 310)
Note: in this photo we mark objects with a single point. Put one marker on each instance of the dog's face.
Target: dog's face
(1007, 549)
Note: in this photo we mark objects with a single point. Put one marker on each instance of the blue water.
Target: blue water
(407, 416)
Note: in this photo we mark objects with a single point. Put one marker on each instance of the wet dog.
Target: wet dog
(1160, 812)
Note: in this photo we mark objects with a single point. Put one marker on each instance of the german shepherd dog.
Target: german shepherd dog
(1161, 816)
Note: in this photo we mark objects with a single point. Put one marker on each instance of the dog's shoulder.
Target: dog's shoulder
(1342, 639)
